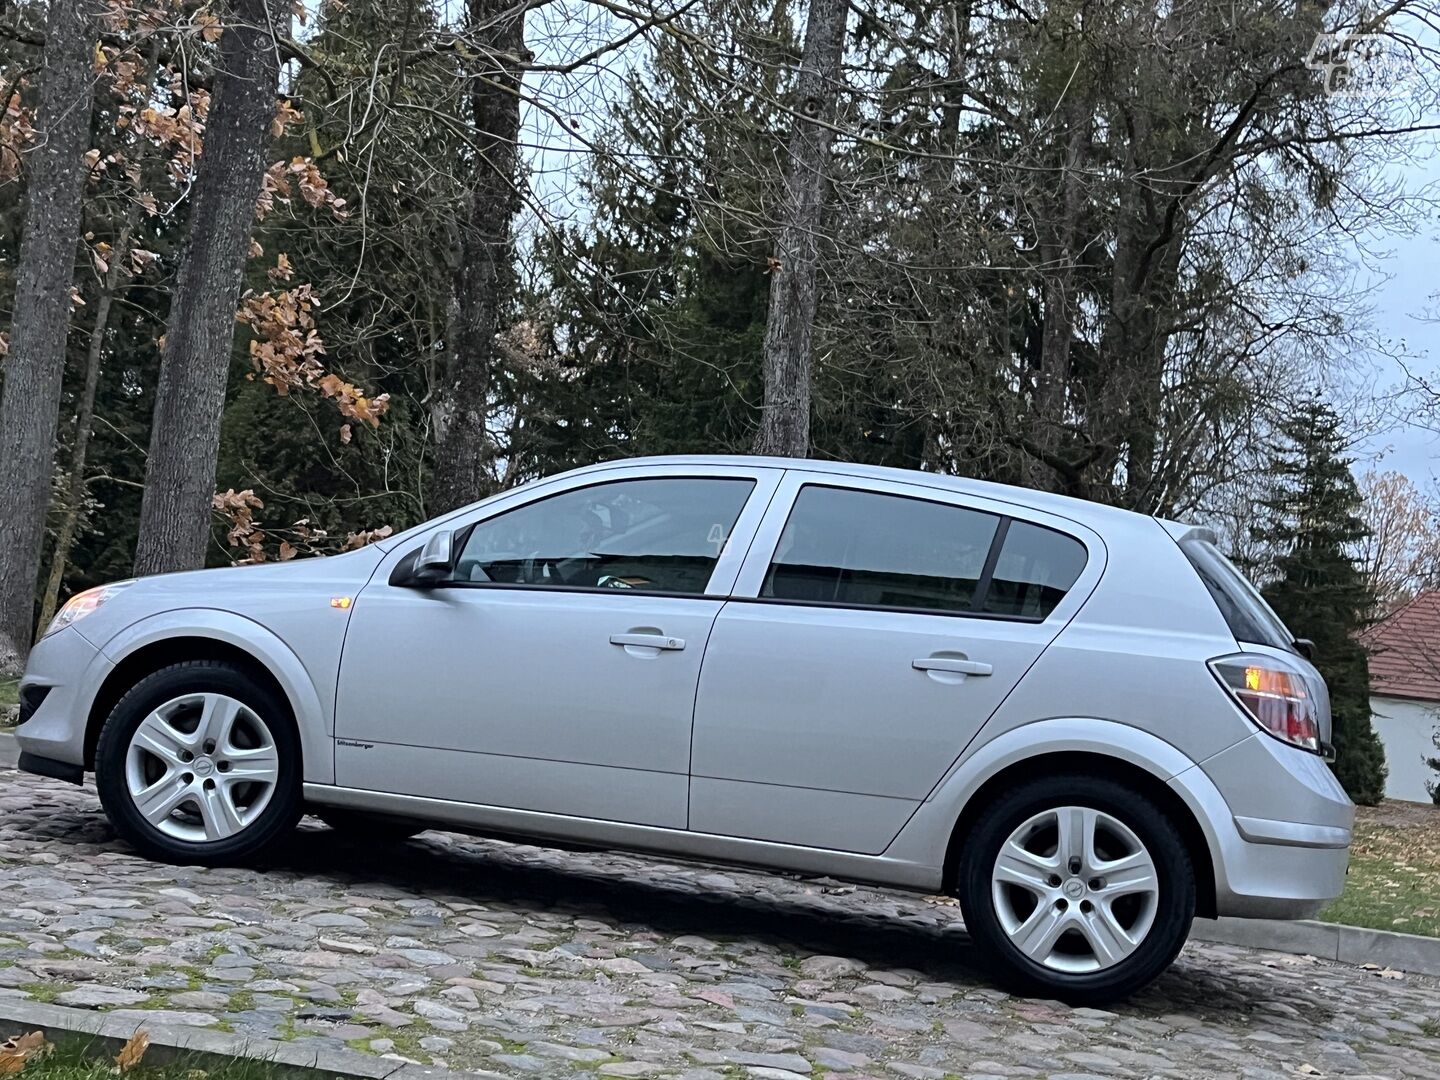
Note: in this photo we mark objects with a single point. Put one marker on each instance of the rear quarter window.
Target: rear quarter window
(1244, 610)
(1035, 570)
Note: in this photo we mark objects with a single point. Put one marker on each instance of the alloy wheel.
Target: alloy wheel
(1075, 890)
(201, 767)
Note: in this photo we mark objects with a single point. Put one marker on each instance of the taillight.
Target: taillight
(1274, 695)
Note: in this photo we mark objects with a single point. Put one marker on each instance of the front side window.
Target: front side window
(861, 548)
(656, 535)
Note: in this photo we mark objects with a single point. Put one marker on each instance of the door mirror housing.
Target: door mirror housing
(436, 559)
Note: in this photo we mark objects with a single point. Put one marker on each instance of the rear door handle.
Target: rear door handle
(950, 663)
(648, 641)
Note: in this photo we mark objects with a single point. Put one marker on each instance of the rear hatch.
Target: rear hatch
(1252, 621)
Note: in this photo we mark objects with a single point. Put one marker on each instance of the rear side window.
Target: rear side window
(866, 549)
(1035, 570)
(1245, 611)
(887, 551)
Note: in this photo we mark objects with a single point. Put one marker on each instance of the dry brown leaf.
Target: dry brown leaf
(133, 1050)
(210, 28)
(19, 1049)
(285, 115)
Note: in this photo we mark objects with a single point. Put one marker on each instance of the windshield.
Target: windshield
(1245, 611)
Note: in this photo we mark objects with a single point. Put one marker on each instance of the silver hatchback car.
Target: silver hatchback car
(1083, 722)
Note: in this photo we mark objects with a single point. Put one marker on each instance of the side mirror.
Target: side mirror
(1305, 647)
(436, 559)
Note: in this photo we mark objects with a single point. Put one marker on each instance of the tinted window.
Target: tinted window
(1035, 570)
(661, 535)
(1245, 611)
(858, 547)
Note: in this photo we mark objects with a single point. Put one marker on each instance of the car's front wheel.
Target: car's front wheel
(1077, 887)
(199, 762)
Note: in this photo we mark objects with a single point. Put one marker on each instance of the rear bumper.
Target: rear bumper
(1278, 881)
(1280, 841)
(1291, 833)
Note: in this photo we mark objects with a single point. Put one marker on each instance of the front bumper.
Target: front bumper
(69, 668)
(1280, 834)
(55, 770)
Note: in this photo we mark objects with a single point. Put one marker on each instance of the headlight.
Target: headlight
(83, 603)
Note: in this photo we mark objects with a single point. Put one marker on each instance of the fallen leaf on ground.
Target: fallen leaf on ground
(133, 1050)
(19, 1049)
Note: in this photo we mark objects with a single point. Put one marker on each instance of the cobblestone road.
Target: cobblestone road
(526, 962)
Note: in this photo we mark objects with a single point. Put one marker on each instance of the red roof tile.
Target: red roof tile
(1404, 650)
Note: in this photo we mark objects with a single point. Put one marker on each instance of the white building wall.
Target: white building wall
(1406, 729)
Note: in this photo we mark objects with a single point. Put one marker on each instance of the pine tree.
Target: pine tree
(1317, 587)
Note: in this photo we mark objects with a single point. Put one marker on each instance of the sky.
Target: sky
(1407, 307)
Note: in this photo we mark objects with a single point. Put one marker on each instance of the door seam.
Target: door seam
(700, 672)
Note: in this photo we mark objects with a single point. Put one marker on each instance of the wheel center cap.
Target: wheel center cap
(1074, 888)
(204, 766)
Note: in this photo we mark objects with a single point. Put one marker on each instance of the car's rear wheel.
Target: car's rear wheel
(1076, 887)
(359, 825)
(199, 762)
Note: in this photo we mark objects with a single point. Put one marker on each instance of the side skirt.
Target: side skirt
(558, 830)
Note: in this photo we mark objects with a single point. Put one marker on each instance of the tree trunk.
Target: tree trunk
(790, 322)
(74, 504)
(1058, 298)
(35, 367)
(485, 272)
(200, 332)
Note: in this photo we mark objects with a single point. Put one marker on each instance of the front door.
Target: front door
(871, 634)
(556, 671)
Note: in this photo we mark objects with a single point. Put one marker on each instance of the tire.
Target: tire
(218, 748)
(1088, 943)
(358, 825)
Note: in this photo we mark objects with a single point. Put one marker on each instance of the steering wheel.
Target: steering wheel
(534, 567)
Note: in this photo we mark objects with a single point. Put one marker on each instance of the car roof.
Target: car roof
(1083, 511)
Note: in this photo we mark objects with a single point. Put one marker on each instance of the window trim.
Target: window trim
(583, 590)
(982, 583)
(763, 484)
(984, 616)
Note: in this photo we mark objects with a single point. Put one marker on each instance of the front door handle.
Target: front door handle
(950, 663)
(648, 641)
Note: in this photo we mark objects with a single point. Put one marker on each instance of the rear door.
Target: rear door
(874, 628)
